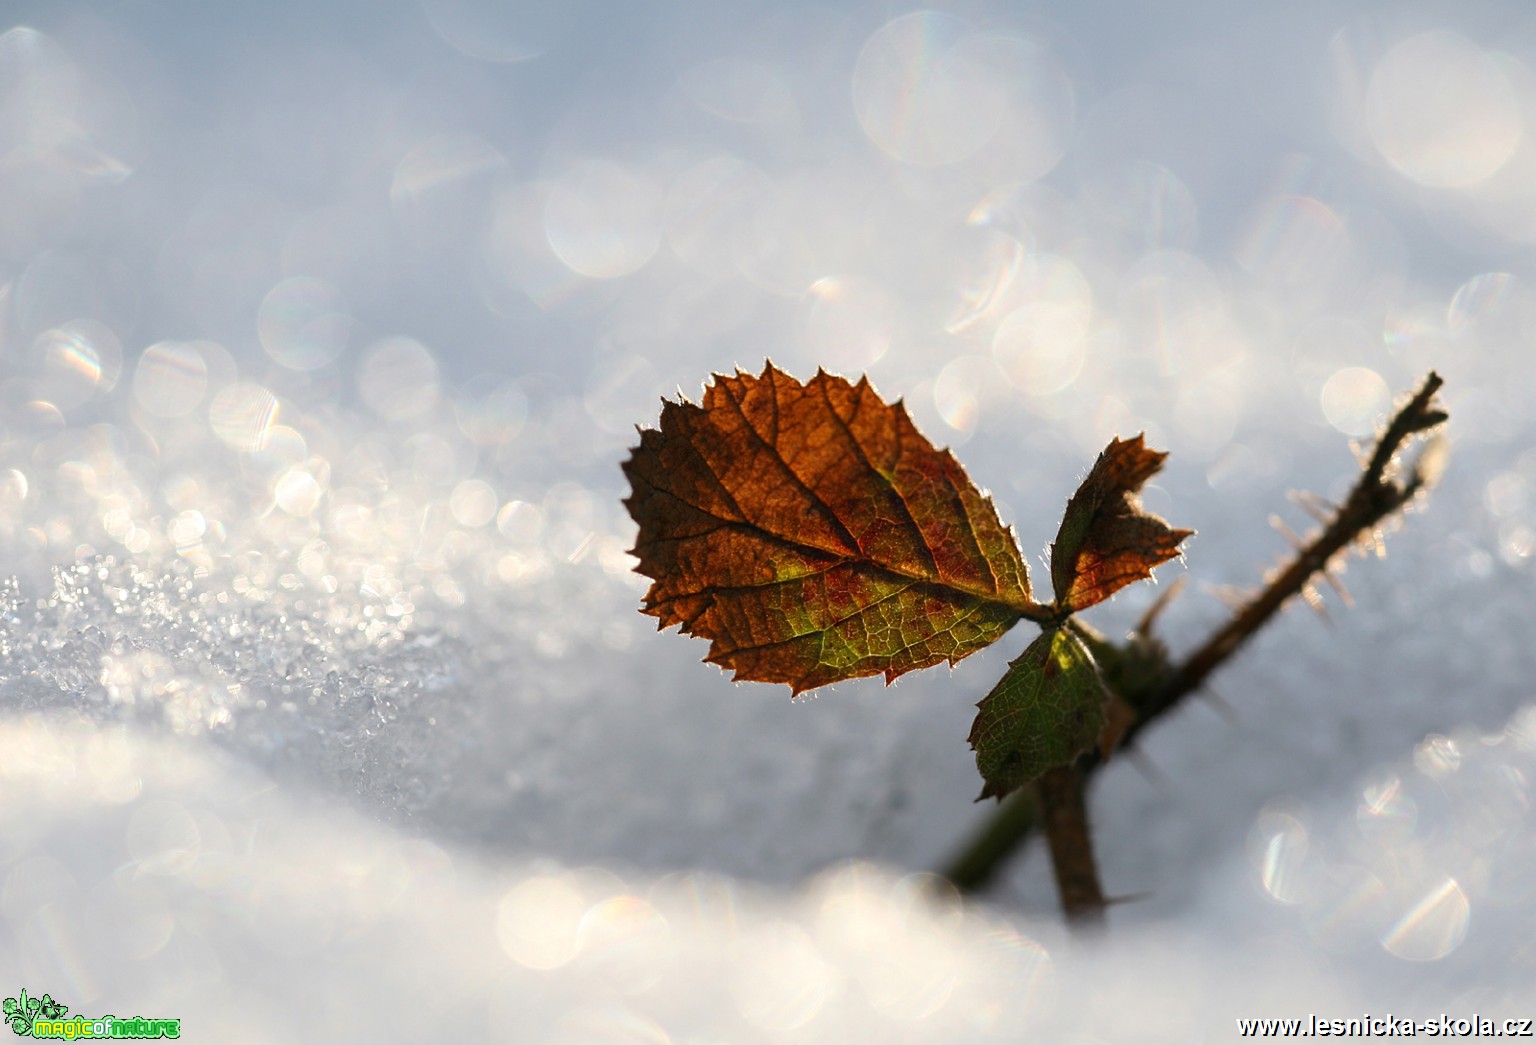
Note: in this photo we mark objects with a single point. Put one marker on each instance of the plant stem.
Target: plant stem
(1066, 828)
(1374, 498)
(1015, 817)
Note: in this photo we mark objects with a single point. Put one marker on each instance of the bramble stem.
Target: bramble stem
(1374, 498)
(1015, 817)
(1066, 828)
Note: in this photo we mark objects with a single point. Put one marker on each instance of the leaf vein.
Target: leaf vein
(901, 498)
(775, 454)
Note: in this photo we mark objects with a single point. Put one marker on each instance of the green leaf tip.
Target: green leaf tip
(1045, 711)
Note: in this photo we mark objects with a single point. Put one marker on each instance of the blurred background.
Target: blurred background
(324, 330)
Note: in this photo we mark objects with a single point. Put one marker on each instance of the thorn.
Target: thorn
(1320, 508)
(1114, 901)
(1221, 706)
(1229, 595)
(1310, 596)
(1375, 541)
(1148, 769)
(1337, 585)
(1285, 531)
(1144, 626)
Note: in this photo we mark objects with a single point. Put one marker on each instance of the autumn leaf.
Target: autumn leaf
(812, 534)
(1107, 540)
(1047, 710)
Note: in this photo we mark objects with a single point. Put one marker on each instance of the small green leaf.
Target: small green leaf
(1043, 713)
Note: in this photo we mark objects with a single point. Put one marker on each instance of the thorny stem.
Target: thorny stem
(1375, 497)
(1066, 827)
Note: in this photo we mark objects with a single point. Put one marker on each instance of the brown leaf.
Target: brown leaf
(812, 534)
(1107, 540)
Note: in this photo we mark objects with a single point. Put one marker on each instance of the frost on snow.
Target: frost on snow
(324, 704)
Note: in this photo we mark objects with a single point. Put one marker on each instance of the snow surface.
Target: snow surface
(326, 709)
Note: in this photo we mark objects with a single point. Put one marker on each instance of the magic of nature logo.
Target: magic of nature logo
(45, 1018)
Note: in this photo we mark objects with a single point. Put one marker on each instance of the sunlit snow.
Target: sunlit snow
(325, 709)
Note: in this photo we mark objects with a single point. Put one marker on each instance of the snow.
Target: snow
(324, 701)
